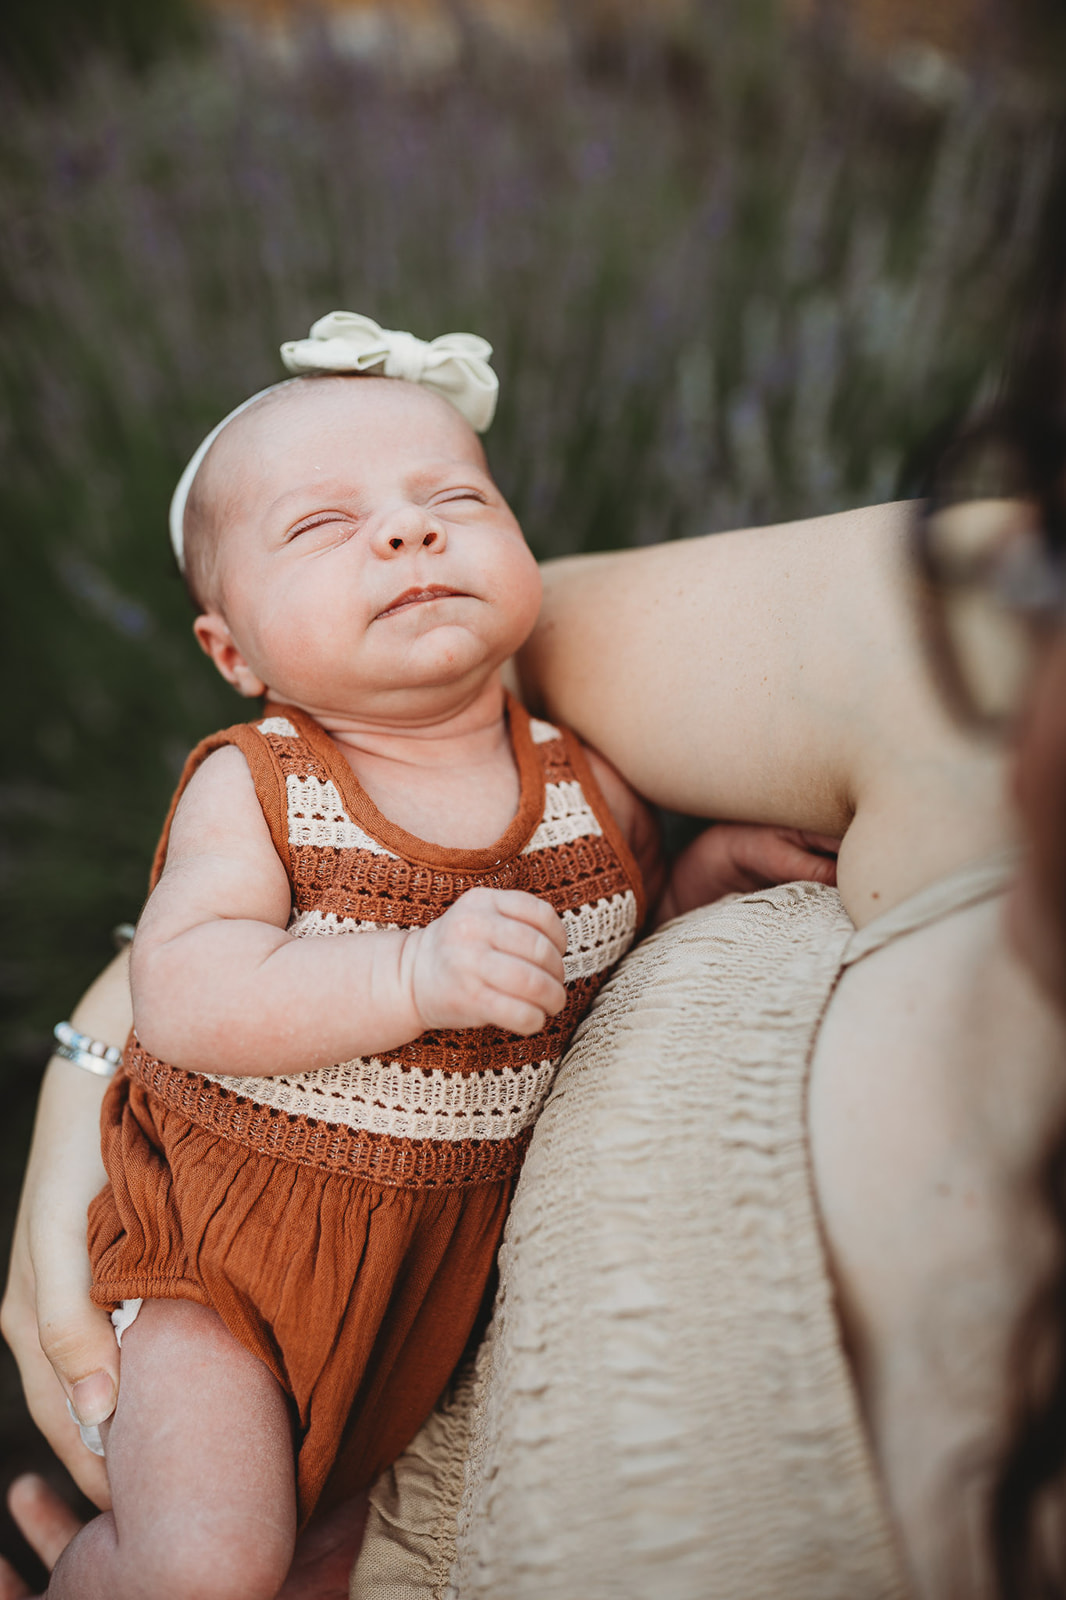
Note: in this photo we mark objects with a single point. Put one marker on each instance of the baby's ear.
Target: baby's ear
(215, 640)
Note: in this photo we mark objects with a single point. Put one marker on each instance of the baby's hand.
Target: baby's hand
(495, 956)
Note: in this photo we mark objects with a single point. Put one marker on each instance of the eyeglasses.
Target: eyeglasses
(990, 556)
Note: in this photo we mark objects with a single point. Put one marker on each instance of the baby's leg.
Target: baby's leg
(200, 1461)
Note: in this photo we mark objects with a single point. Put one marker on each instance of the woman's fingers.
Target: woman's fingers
(65, 1347)
(76, 1336)
(43, 1517)
(739, 857)
(819, 869)
(825, 844)
(47, 1405)
(786, 862)
(325, 1554)
(12, 1586)
(45, 1521)
(757, 856)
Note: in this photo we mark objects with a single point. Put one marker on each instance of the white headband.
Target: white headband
(456, 366)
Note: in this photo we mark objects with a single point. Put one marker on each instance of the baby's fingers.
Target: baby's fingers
(523, 980)
(529, 944)
(519, 995)
(518, 906)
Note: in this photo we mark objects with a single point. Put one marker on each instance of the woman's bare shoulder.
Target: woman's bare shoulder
(936, 1075)
(774, 675)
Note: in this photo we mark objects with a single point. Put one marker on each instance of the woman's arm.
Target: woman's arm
(64, 1345)
(774, 675)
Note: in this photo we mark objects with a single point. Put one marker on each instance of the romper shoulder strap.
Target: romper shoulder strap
(255, 741)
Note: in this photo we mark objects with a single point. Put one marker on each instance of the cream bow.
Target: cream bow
(456, 365)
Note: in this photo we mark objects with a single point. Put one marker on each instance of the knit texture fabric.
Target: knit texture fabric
(453, 1106)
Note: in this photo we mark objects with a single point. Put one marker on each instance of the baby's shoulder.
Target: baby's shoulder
(218, 799)
(222, 773)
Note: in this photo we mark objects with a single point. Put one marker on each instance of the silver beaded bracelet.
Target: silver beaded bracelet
(92, 1054)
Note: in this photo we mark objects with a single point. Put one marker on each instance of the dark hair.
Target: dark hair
(1027, 1553)
(1028, 1540)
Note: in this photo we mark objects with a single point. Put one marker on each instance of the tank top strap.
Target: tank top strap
(259, 742)
(976, 881)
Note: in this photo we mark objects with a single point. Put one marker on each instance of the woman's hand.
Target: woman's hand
(739, 857)
(47, 1524)
(64, 1345)
(321, 1565)
(70, 1351)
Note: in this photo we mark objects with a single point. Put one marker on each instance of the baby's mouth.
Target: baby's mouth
(415, 597)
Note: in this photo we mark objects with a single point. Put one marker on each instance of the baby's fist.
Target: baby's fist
(494, 957)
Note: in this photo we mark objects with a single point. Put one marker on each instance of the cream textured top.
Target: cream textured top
(662, 1407)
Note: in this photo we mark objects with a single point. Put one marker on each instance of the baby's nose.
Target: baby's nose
(408, 528)
(399, 541)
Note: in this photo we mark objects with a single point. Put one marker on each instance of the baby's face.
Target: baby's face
(367, 561)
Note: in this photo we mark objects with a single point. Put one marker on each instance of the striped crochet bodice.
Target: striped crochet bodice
(452, 1107)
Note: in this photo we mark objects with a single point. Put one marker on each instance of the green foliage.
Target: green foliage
(729, 275)
(43, 43)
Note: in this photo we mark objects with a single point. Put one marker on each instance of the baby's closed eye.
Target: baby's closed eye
(338, 523)
(458, 496)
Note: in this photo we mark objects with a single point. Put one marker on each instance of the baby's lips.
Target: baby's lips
(417, 595)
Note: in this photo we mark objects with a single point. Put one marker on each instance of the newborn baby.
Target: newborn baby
(395, 868)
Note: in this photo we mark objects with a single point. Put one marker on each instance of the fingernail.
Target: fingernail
(93, 1398)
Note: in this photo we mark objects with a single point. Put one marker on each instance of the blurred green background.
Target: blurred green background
(735, 270)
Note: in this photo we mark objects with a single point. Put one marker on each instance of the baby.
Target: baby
(394, 868)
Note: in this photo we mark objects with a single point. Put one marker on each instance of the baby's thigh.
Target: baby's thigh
(200, 1448)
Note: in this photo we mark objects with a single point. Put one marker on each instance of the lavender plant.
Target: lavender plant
(731, 276)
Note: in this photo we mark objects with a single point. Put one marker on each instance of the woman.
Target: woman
(812, 707)
(793, 689)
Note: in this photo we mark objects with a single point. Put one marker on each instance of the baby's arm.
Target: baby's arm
(218, 985)
(637, 821)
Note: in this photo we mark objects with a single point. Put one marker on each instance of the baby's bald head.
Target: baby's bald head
(290, 418)
(215, 489)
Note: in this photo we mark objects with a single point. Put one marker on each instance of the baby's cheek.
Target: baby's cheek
(526, 590)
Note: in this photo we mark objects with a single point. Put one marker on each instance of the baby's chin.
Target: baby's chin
(446, 653)
(431, 677)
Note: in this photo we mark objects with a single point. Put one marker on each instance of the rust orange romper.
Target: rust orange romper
(344, 1222)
